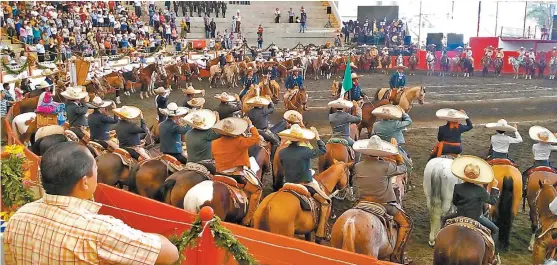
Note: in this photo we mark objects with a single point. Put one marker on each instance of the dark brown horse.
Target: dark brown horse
(297, 101)
(412, 62)
(173, 73)
(145, 77)
(545, 245)
(385, 63)
(457, 245)
(532, 190)
(177, 185)
(368, 119)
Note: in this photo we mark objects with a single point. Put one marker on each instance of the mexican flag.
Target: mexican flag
(347, 82)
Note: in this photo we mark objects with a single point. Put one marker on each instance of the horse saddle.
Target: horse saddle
(71, 136)
(46, 119)
(395, 95)
(345, 143)
(171, 162)
(307, 202)
(97, 148)
(239, 197)
(127, 159)
(479, 228)
(501, 162)
(380, 212)
(540, 168)
(198, 168)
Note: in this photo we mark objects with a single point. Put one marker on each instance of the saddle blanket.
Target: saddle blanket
(380, 212)
(475, 226)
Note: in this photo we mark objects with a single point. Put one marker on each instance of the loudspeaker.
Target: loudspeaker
(554, 29)
(454, 40)
(407, 40)
(329, 10)
(435, 38)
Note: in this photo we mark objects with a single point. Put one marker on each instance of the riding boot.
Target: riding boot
(323, 221)
(404, 230)
(254, 192)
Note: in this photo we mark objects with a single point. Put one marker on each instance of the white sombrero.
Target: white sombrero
(231, 126)
(258, 101)
(127, 112)
(190, 90)
(74, 93)
(501, 125)
(451, 115)
(374, 146)
(354, 75)
(173, 110)
(340, 104)
(295, 69)
(541, 134)
(49, 130)
(202, 119)
(401, 66)
(97, 102)
(296, 134)
(42, 85)
(472, 169)
(196, 102)
(47, 72)
(388, 112)
(293, 116)
(160, 90)
(225, 97)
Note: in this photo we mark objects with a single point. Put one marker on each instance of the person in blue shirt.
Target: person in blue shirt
(398, 81)
(99, 122)
(294, 80)
(248, 81)
(355, 94)
(449, 135)
(274, 71)
(171, 132)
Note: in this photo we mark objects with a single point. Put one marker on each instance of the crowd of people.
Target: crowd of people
(392, 32)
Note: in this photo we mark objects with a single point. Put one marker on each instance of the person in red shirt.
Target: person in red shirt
(111, 5)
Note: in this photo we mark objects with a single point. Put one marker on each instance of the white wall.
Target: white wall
(515, 45)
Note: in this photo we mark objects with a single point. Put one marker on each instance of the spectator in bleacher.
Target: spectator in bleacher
(303, 23)
(238, 23)
(40, 51)
(545, 33)
(223, 7)
(183, 28)
(233, 24)
(290, 16)
(259, 42)
(213, 27)
(137, 5)
(277, 15)
(207, 30)
(260, 30)
(227, 42)
(188, 23)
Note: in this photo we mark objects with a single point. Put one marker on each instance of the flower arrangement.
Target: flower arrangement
(16, 180)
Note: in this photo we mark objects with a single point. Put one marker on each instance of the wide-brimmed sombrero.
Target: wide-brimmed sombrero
(47, 72)
(231, 126)
(225, 97)
(127, 112)
(541, 134)
(97, 102)
(74, 93)
(160, 90)
(258, 101)
(295, 69)
(340, 104)
(374, 146)
(401, 66)
(451, 115)
(388, 112)
(293, 116)
(49, 130)
(173, 110)
(501, 125)
(202, 119)
(354, 76)
(296, 134)
(190, 90)
(43, 85)
(196, 102)
(472, 169)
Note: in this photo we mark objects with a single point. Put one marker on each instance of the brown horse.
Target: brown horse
(503, 213)
(532, 190)
(177, 185)
(385, 63)
(297, 100)
(459, 245)
(264, 92)
(173, 73)
(280, 212)
(412, 62)
(231, 73)
(145, 77)
(545, 245)
(273, 86)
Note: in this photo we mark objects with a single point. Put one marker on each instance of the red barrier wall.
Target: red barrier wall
(269, 249)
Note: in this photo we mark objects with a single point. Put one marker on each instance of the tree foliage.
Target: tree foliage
(541, 12)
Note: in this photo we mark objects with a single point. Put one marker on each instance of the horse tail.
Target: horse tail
(131, 179)
(164, 189)
(349, 236)
(505, 216)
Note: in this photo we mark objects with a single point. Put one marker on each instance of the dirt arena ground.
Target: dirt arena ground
(527, 102)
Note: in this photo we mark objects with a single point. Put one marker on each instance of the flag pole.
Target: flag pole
(524, 25)
(496, 17)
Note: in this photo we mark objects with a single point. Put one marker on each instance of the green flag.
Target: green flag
(347, 82)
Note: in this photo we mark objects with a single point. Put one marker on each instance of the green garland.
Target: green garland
(15, 72)
(15, 193)
(223, 239)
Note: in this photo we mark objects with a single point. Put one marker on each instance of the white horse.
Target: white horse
(430, 60)
(305, 61)
(439, 184)
(552, 68)
(516, 66)
(21, 123)
(400, 60)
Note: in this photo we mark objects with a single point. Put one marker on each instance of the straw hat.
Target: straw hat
(190, 90)
(374, 146)
(388, 112)
(127, 112)
(160, 90)
(231, 126)
(173, 110)
(225, 97)
(295, 69)
(43, 85)
(340, 104)
(258, 101)
(451, 115)
(74, 93)
(196, 102)
(401, 66)
(49, 130)
(541, 134)
(202, 119)
(293, 116)
(47, 72)
(501, 125)
(296, 134)
(472, 169)
(97, 102)
(354, 76)
(250, 69)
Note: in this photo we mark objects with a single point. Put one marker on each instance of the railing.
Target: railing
(520, 33)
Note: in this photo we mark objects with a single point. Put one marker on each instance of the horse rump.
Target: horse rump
(164, 189)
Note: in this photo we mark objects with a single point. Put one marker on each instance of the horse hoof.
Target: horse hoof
(530, 248)
(431, 243)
